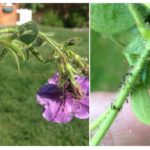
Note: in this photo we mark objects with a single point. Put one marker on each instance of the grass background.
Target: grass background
(21, 121)
(108, 63)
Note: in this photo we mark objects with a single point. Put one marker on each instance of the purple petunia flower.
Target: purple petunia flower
(60, 106)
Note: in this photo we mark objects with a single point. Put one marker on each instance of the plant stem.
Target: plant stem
(123, 94)
(97, 122)
(50, 41)
(138, 19)
(8, 30)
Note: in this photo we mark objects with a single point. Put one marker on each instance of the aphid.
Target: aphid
(127, 100)
(122, 83)
(69, 88)
(114, 107)
(131, 66)
(128, 74)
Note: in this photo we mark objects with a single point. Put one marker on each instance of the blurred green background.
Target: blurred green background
(21, 121)
(108, 64)
(60, 15)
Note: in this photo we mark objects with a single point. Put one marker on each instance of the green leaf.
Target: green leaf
(3, 53)
(135, 49)
(110, 18)
(16, 59)
(28, 32)
(16, 47)
(126, 37)
(132, 53)
(71, 41)
(140, 103)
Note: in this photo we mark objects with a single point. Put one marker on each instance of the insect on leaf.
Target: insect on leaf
(140, 103)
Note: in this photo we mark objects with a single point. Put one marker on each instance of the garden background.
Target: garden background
(21, 121)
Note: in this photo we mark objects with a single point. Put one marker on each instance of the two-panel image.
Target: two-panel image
(74, 74)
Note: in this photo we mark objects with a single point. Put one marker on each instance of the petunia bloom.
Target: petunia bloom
(60, 105)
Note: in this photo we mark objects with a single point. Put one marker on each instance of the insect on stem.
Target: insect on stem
(115, 107)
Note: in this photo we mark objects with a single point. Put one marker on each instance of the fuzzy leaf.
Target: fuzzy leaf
(126, 37)
(132, 54)
(110, 18)
(28, 32)
(140, 103)
(135, 49)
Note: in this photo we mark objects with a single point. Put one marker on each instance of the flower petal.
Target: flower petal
(60, 107)
(81, 107)
(60, 112)
(84, 83)
(54, 79)
(48, 91)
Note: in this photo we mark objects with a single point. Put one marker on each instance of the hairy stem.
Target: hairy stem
(51, 42)
(138, 19)
(97, 122)
(121, 98)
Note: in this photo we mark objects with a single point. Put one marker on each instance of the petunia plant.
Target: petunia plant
(66, 94)
(127, 25)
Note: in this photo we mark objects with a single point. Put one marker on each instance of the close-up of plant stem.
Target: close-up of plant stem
(103, 123)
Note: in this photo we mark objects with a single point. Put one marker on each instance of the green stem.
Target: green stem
(137, 18)
(97, 122)
(51, 42)
(123, 94)
(69, 68)
(8, 30)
